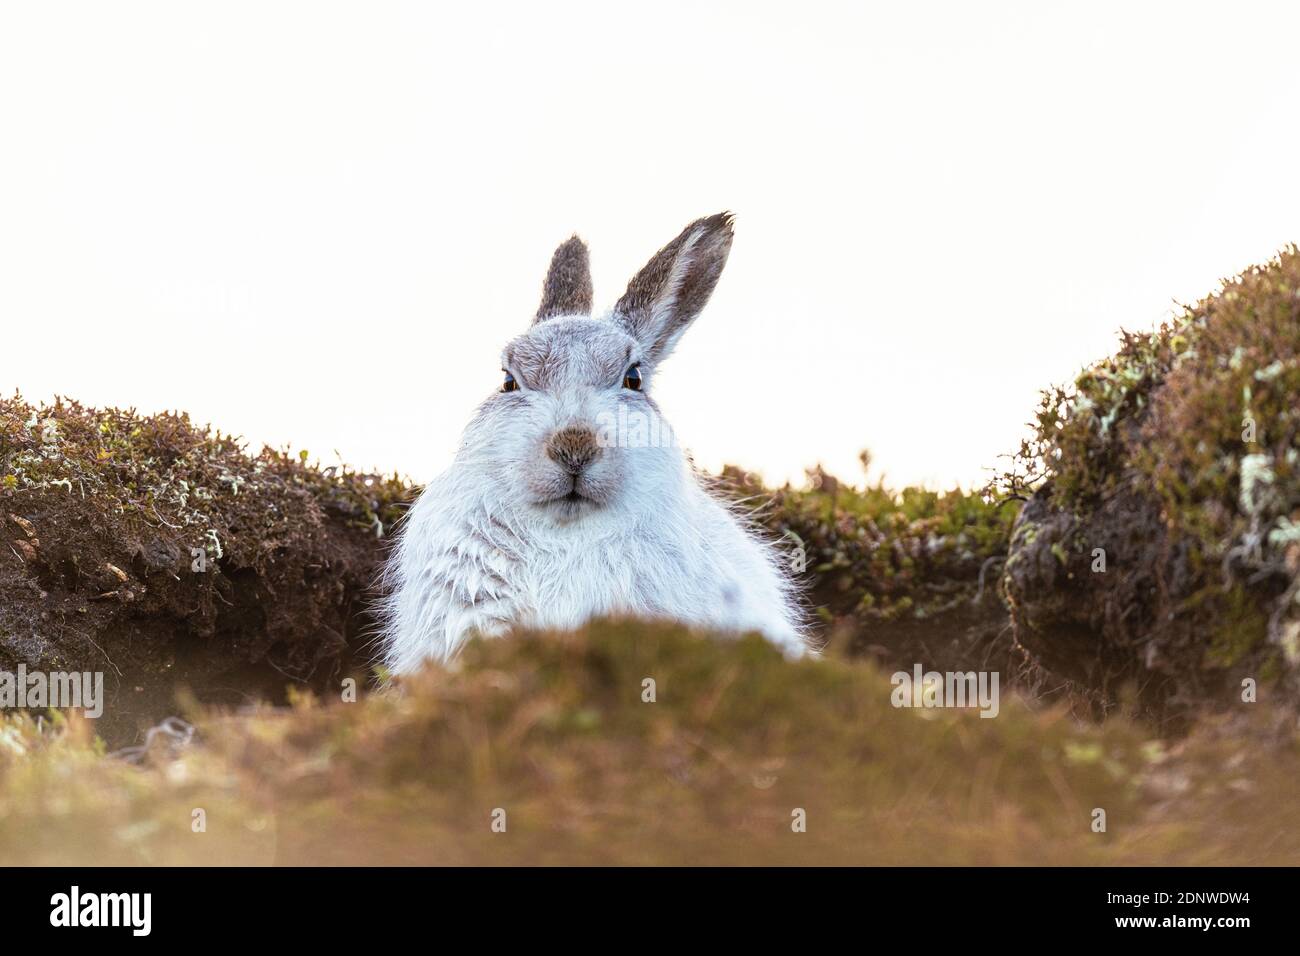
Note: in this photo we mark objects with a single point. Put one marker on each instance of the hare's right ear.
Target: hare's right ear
(672, 288)
(567, 289)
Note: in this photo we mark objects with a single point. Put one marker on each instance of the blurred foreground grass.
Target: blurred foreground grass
(556, 733)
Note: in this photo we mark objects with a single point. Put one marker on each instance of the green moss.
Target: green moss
(1240, 627)
(879, 554)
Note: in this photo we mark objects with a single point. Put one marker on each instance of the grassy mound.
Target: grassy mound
(554, 736)
(164, 556)
(1177, 461)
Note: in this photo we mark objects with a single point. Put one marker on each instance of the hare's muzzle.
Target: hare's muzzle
(573, 449)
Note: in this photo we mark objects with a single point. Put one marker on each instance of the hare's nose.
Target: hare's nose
(573, 449)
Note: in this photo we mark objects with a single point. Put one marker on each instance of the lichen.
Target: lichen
(1198, 425)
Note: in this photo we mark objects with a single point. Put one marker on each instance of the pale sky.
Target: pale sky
(316, 224)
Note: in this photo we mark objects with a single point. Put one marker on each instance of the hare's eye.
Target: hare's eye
(509, 385)
(632, 378)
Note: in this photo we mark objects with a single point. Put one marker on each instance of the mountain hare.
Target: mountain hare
(570, 498)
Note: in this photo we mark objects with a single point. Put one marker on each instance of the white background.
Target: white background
(316, 224)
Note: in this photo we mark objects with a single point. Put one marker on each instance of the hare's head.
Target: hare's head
(573, 430)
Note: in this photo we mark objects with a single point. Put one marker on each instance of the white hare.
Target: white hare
(569, 497)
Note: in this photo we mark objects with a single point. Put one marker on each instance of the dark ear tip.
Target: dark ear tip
(570, 248)
(724, 221)
(567, 288)
(718, 229)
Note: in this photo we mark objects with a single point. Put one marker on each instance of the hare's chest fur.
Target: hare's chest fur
(454, 578)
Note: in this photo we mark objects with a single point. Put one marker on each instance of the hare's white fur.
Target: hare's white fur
(494, 541)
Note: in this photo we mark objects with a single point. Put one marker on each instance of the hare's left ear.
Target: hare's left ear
(567, 289)
(672, 288)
